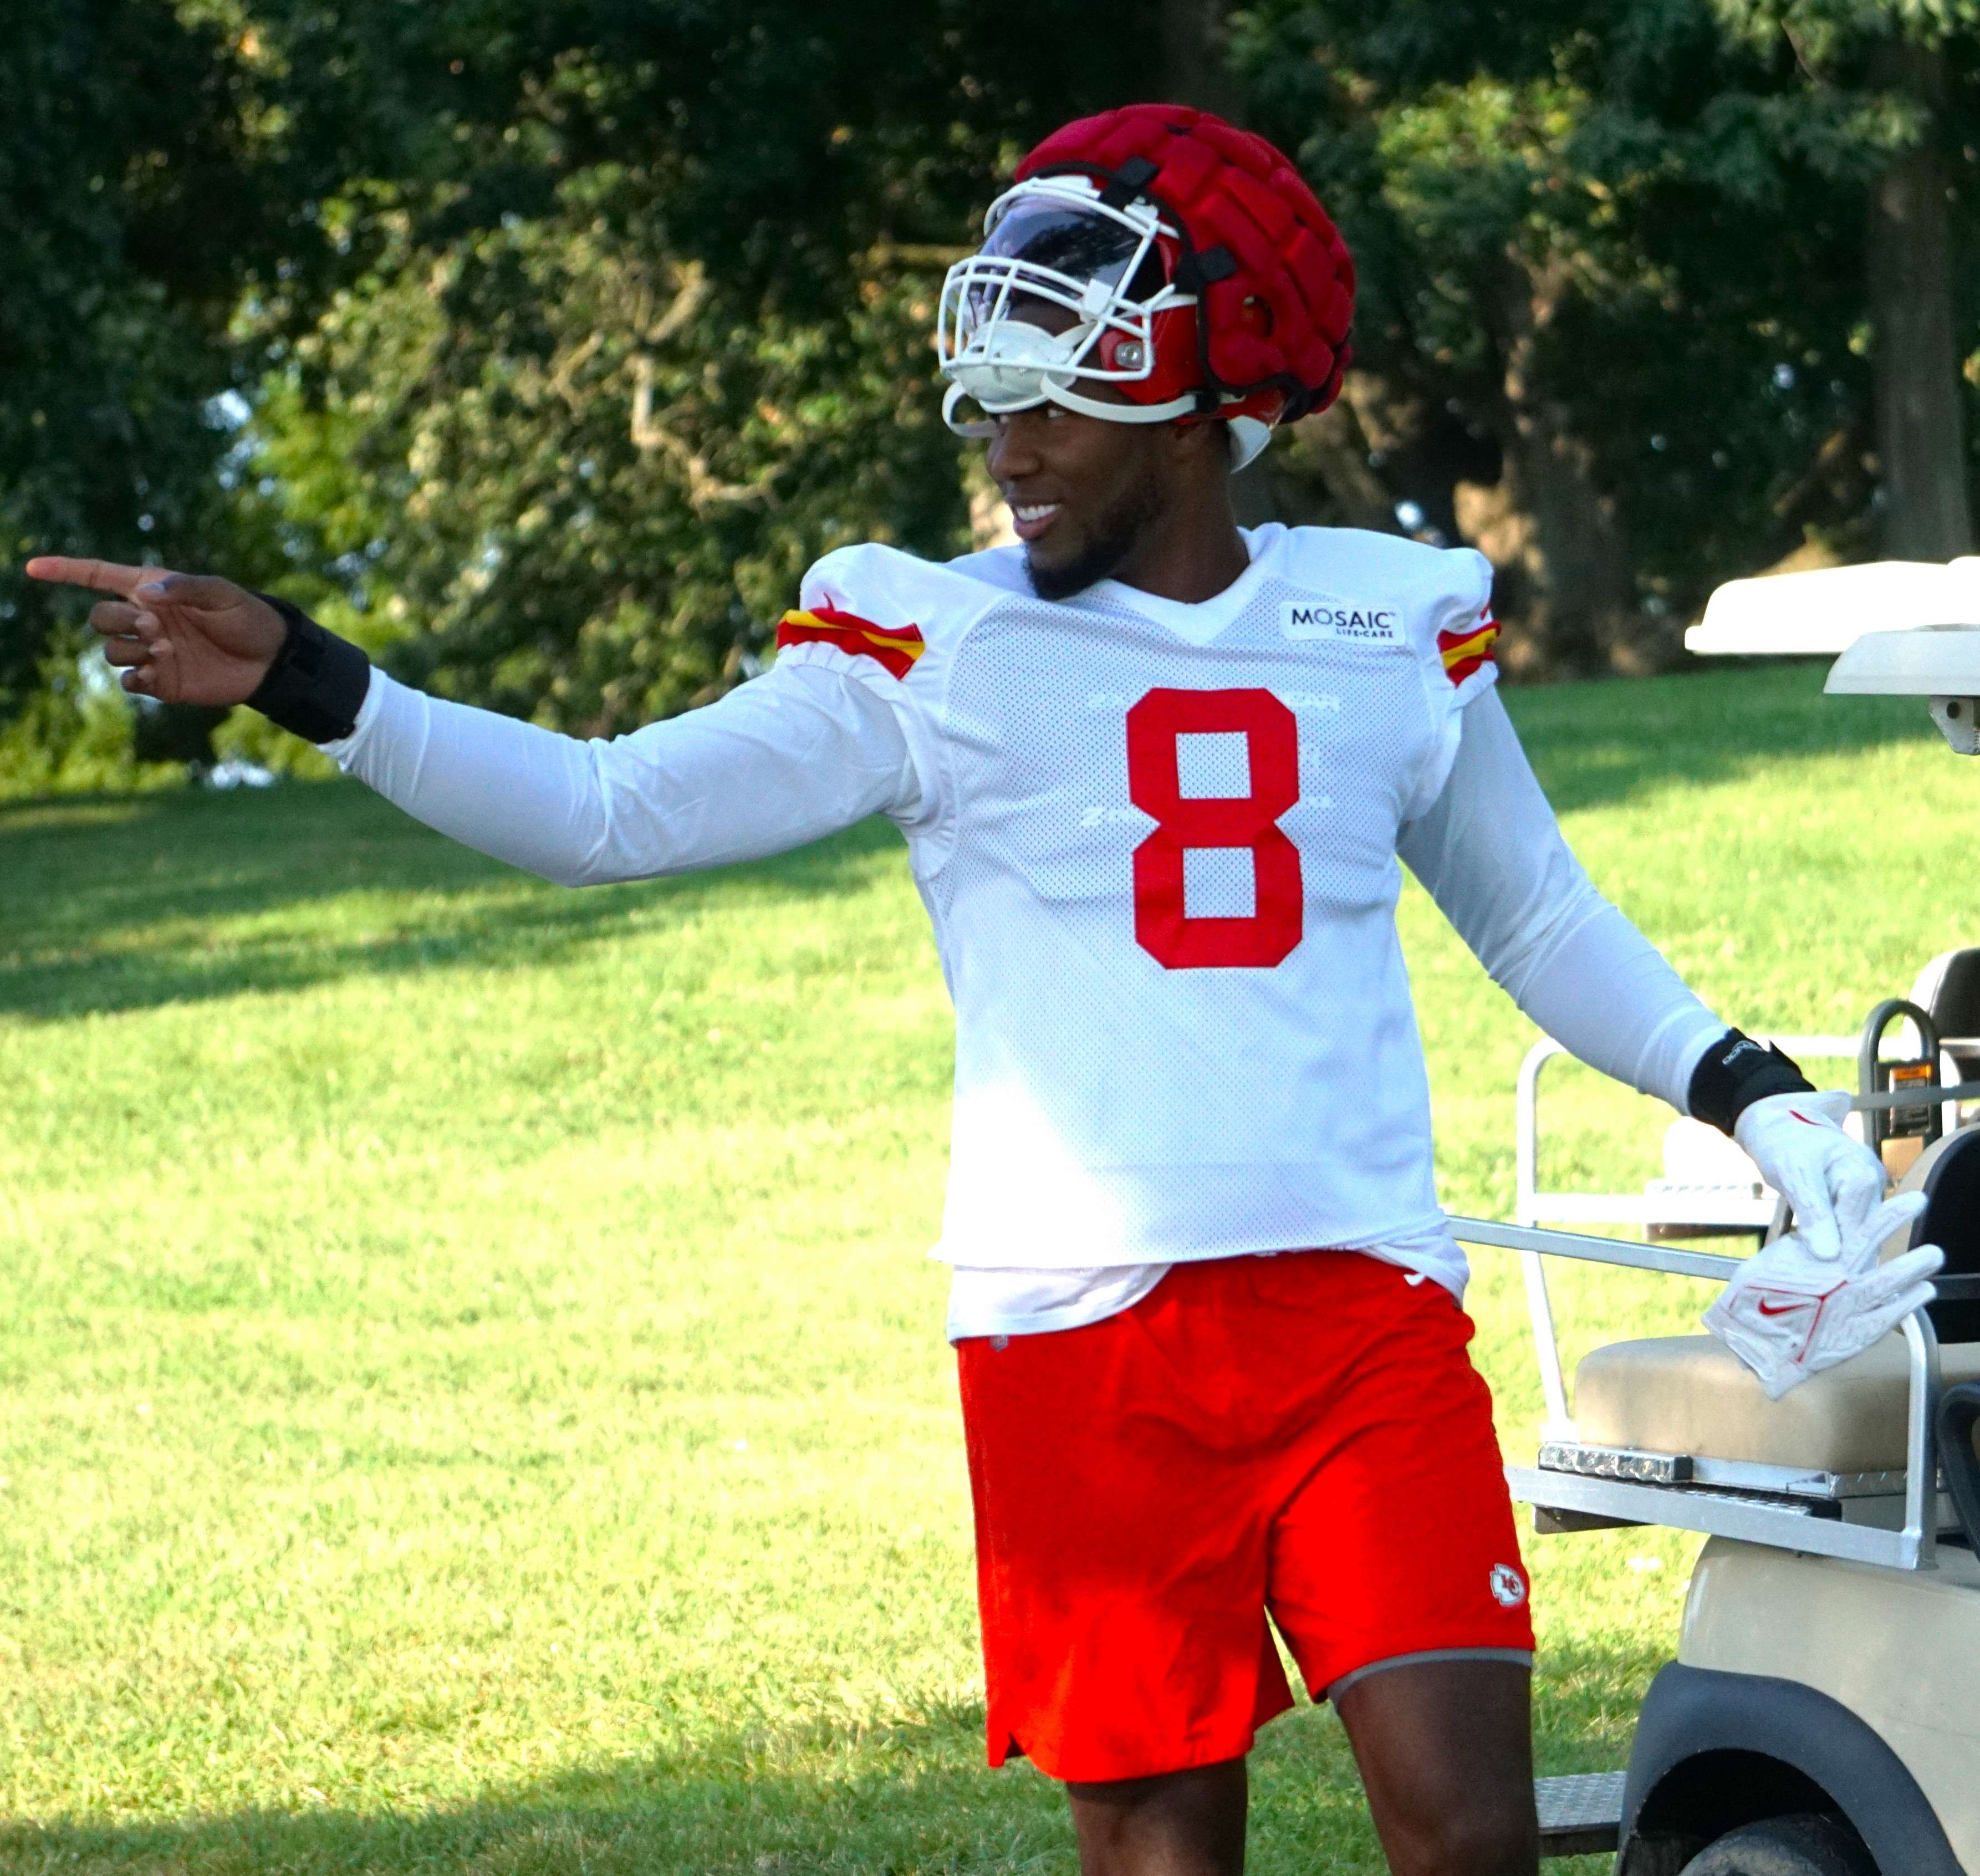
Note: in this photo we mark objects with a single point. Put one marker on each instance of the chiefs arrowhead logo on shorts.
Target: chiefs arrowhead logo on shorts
(1509, 1587)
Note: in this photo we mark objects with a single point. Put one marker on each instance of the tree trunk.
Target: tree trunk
(1569, 602)
(1196, 71)
(1921, 447)
(1196, 58)
(1336, 446)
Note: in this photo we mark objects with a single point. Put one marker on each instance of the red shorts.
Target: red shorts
(1301, 1435)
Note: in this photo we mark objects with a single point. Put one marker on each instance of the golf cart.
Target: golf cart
(1823, 1717)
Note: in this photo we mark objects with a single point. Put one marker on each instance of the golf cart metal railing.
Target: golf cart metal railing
(1579, 1485)
(1696, 1208)
(1792, 1509)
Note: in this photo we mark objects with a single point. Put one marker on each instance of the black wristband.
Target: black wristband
(1734, 1073)
(316, 686)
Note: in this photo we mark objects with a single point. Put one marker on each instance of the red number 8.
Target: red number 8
(1162, 927)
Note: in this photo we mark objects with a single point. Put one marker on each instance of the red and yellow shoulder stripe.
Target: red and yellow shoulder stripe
(894, 650)
(1469, 650)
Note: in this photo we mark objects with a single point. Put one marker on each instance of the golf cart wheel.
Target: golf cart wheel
(1801, 1845)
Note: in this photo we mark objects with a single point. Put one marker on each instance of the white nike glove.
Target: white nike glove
(1789, 1314)
(1832, 1181)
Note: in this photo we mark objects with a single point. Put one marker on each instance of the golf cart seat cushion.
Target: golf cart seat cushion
(1690, 1394)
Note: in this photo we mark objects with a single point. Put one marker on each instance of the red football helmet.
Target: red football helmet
(1165, 253)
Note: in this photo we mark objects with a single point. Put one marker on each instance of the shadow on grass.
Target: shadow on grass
(910, 1797)
(124, 902)
(1594, 744)
(129, 903)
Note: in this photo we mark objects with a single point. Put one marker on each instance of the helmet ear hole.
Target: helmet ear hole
(1255, 316)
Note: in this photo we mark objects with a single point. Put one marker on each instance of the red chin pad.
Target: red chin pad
(1277, 319)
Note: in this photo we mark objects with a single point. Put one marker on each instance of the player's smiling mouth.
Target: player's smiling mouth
(1030, 519)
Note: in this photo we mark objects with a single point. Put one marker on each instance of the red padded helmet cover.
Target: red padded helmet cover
(1280, 320)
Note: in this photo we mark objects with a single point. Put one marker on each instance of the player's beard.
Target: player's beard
(1112, 536)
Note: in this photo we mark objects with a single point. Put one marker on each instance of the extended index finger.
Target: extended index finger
(98, 575)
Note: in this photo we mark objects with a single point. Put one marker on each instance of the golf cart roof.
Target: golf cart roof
(1927, 661)
(1829, 609)
(1897, 628)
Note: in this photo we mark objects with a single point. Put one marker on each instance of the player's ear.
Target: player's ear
(1198, 443)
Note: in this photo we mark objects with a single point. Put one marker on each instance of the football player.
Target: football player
(1155, 773)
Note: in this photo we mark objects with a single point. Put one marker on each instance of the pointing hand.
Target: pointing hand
(182, 638)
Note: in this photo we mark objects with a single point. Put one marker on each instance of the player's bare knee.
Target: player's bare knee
(1477, 1838)
(1175, 1824)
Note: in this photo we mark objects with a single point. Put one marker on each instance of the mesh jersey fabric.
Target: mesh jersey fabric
(819, 743)
(1119, 1099)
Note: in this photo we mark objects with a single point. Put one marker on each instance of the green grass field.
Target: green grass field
(474, 1392)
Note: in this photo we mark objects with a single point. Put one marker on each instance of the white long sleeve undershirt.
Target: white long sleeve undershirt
(1492, 855)
(788, 759)
(805, 751)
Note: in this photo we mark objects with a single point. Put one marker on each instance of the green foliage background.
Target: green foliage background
(541, 347)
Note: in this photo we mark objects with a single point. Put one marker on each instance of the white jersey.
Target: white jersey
(1160, 855)
(1158, 844)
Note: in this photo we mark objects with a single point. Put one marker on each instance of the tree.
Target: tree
(1909, 68)
(164, 171)
(129, 228)
(1619, 247)
(650, 331)
(565, 336)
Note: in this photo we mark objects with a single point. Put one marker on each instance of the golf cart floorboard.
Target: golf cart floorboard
(1581, 1815)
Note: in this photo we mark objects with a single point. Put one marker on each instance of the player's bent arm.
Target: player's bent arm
(1491, 853)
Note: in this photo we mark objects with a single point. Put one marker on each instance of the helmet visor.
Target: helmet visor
(1075, 243)
(1071, 239)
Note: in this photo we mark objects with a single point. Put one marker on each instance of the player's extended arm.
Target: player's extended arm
(785, 759)
(779, 762)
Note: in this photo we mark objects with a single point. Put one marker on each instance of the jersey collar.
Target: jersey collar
(1198, 624)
